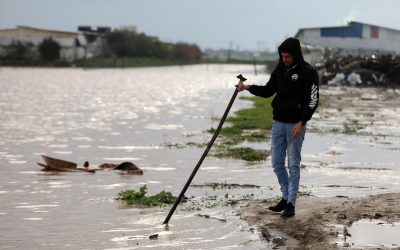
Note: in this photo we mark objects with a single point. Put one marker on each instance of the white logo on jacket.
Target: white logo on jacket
(314, 96)
(295, 77)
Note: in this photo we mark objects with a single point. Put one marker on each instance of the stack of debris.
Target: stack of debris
(355, 70)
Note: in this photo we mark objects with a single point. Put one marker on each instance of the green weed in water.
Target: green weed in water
(257, 117)
(244, 153)
(353, 127)
(132, 197)
(250, 124)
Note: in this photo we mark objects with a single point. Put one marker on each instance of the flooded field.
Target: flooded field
(157, 118)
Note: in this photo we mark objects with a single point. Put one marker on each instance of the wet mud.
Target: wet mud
(319, 223)
(368, 116)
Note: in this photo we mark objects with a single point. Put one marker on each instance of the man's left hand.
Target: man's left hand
(297, 130)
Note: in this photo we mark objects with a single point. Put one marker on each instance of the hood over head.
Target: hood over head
(292, 46)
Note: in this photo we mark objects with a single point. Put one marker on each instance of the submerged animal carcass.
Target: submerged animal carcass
(54, 164)
(126, 167)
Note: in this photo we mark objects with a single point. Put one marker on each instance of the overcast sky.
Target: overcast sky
(251, 24)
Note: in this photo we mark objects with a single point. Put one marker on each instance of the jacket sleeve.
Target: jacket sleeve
(311, 96)
(267, 90)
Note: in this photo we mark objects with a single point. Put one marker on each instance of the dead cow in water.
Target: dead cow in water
(54, 164)
(127, 167)
(57, 165)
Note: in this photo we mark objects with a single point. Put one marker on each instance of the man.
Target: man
(295, 85)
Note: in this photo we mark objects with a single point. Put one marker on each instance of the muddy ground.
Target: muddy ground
(321, 223)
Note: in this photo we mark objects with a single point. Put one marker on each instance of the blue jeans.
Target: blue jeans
(282, 144)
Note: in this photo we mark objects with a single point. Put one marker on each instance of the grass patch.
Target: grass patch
(352, 127)
(132, 197)
(215, 185)
(251, 124)
(244, 153)
(257, 117)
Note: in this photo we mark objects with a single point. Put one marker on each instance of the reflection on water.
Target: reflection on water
(109, 116)
(155, 117)
(374, 233)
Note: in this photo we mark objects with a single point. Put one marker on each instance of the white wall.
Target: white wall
(35, 36)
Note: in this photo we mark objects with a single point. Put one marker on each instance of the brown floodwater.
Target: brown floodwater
(156, 118)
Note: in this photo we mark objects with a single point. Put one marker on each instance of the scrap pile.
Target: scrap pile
(381, 69)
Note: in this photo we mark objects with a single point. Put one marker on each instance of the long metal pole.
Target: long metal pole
(178, 200)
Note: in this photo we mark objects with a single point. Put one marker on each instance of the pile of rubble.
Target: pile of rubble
(357, 70)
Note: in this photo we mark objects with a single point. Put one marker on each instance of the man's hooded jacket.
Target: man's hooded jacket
(295, 88)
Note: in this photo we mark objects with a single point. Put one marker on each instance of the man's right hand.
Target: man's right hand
(241, 86)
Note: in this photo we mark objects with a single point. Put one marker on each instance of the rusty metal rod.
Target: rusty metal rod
(178, 200)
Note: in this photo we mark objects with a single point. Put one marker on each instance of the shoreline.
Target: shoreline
(127, 62)
(319, 223)
(323, 222)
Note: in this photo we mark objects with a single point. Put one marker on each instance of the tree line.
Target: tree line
(115, 44)
(121, 43)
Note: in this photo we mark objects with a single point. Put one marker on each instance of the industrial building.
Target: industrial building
(84, 43)
(355, 38)
(72, 43)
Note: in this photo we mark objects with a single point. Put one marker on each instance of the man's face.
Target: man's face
(287, 59)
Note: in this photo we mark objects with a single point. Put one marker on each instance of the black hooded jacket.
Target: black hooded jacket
(296, 89)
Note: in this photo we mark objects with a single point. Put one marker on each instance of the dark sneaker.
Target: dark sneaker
(279, 207)
(289, 211)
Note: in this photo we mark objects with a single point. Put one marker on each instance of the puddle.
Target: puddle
(373, 233)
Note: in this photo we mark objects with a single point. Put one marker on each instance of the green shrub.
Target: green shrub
(49, 49)
(244, 153)
(133, 197)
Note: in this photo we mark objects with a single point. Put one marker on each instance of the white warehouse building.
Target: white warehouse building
(72, 43)
(355, 38)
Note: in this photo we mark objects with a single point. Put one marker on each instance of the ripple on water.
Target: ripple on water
(131, 147)
(154, 126)
(37, 206)
(62, 152)
(59, 184)
(123, 230)
(33, 219)
(111, 186)
(202, 233)
(58, 146)
(82, 138)
(122, 159)
(159, 168)
(15, 162)
(29, 172)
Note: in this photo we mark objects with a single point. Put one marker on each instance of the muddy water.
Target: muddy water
(155, 117)
(146, 116)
